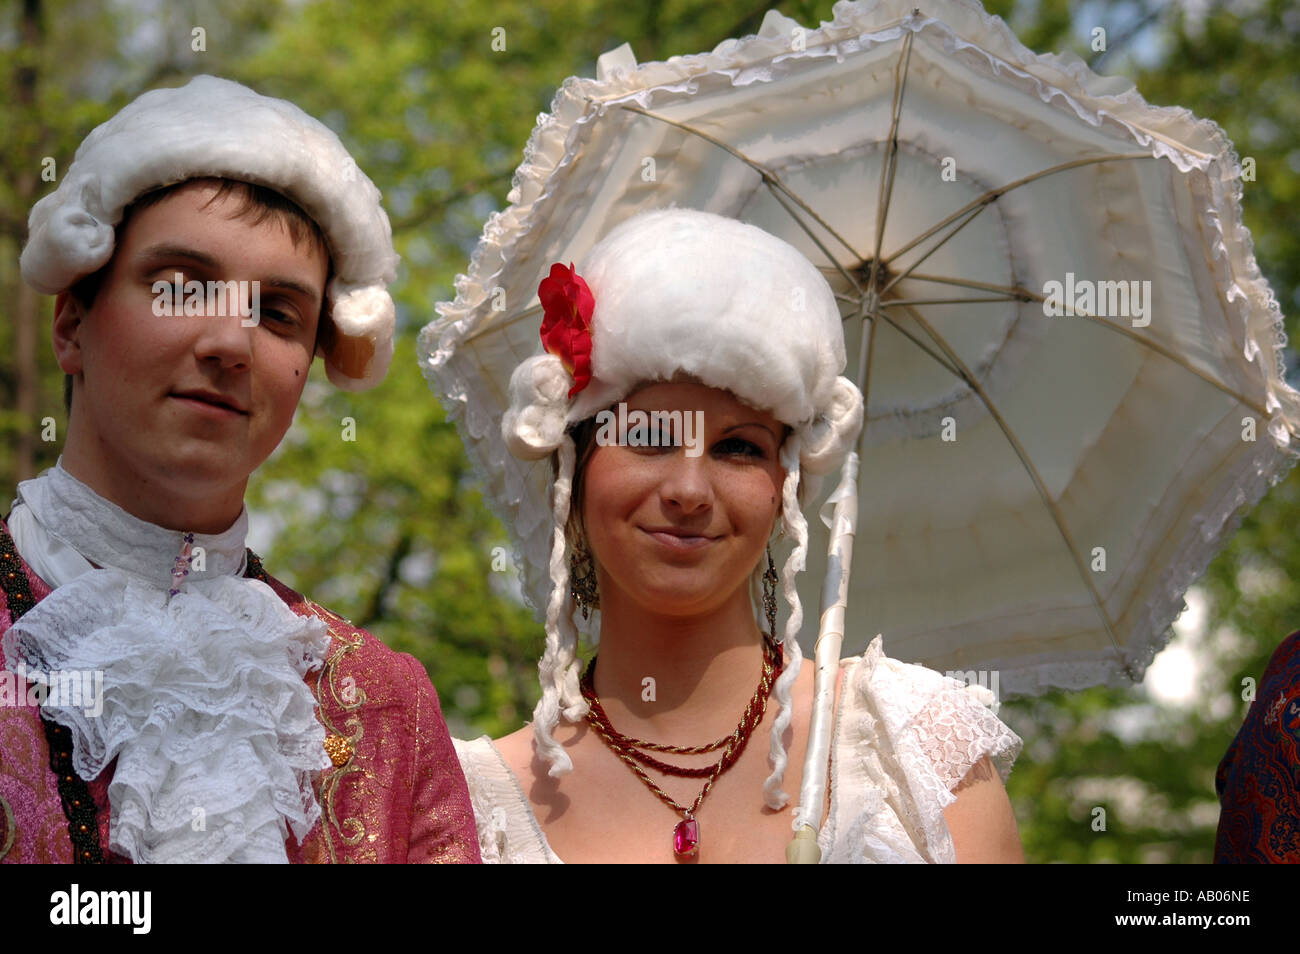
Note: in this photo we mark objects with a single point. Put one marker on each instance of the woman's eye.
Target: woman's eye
(650, 444)
(737, 445)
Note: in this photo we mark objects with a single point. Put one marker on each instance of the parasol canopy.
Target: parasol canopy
(1071, 362)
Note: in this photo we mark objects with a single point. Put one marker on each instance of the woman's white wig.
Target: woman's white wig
(687, 292)
(213, 127)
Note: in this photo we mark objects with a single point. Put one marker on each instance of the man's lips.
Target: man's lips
(211, 399)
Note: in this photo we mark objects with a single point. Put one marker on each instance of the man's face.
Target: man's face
(190, 405)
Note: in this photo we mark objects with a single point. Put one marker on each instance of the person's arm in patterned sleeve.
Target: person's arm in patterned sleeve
(1258, 781)
(442, 822)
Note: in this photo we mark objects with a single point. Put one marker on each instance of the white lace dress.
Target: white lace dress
(905, 736)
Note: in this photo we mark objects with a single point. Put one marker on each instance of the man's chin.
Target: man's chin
(196, 467)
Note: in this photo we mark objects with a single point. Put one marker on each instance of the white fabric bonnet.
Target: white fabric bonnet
(718, 299)
(213, 127)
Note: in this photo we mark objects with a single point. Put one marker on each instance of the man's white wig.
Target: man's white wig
(216, 128)
(686, 292)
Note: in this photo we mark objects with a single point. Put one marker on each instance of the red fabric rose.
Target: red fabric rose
(566, 329)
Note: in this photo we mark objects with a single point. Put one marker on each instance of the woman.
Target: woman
(689, 386)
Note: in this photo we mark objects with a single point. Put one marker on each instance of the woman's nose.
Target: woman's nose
(686, 484)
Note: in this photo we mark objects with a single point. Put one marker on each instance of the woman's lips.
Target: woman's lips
(680, 541)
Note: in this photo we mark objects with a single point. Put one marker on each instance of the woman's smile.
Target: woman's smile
(679, 539)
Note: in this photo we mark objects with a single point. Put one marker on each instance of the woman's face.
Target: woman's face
(678, 529)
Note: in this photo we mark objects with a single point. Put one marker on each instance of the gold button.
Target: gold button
(338, 749)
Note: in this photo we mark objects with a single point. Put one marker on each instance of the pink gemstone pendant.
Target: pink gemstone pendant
(686, 838)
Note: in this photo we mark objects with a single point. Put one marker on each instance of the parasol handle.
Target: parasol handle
(834, 600)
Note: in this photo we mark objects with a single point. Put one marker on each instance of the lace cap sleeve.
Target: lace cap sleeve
(957, 728)
(951, 723)
(908, 735)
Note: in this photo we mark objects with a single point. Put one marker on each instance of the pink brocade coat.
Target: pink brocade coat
(395, 793)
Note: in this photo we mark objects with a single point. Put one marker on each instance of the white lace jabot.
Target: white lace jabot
(203, 703)
(905, 736)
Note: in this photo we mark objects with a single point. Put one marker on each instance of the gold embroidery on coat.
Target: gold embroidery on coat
(349, 698)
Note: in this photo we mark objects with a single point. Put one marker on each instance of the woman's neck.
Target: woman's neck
(677, 680)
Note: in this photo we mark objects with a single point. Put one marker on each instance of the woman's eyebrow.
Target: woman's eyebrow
(736, 427)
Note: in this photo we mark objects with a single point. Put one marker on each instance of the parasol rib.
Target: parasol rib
(891, 160)
(1016, 293)
(1037, 479)
(896, 302)
(1161, 350)
(1014, 290)
(934, 248)
(487, 328)
(809, 232)
(915, 340)
(993, 194)
(768, 175)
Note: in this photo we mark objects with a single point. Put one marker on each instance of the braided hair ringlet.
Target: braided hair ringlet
(558, 669)
(533, 428)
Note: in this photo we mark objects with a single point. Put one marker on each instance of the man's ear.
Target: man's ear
(68, 315)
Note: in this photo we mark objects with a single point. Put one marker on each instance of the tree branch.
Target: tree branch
(424, 213)
(1095, 62)
(375, 611)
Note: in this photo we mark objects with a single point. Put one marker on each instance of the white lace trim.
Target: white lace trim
(201, 698)
(508, 832)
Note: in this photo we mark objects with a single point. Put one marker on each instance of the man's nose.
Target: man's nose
(226, 329)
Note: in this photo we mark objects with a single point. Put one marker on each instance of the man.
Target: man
(163, 699)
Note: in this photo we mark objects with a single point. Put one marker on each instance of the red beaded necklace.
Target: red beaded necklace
(686, 834)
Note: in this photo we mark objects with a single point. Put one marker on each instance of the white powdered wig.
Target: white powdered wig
(213, 127)
(559, 666)
(796, 527)
(680, 291)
